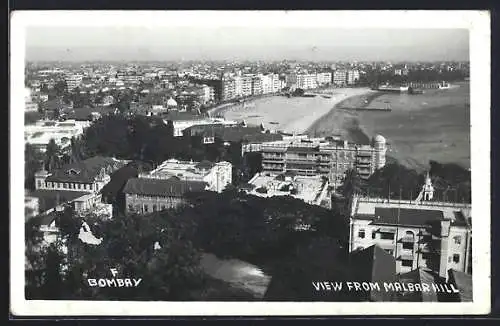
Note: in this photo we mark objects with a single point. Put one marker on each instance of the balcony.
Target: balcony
(405, 256)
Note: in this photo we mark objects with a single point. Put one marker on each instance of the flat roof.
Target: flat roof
(410, 211)
(308, 188)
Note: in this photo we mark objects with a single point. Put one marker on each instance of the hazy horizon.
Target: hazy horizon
(244, 43)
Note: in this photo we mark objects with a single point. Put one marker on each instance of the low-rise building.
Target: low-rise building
(183, 120)
(40, 133)
(311, 190)
(216, 175)
(147, 195)
(419, 233)
(89, 176)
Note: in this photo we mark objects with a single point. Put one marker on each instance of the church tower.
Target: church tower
(428, 188)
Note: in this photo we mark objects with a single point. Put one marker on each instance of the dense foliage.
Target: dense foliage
(451, 182)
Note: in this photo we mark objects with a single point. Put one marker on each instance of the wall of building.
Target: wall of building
(148, 204)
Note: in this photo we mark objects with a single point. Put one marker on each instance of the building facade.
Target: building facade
(352, 77)
(147, 195)
(215, 175)
(89, 176)
(339, 77)
(419, 234)
(320, 156)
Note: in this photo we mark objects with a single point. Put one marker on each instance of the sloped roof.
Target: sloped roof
(118, 180)
(84, 171)
(172, 187)
(421, 276)
(374, 264)
(49, 199)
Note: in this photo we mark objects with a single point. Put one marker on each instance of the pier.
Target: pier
(372, 109)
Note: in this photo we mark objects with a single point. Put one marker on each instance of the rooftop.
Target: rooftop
(85, 171)
(307, 188)
(49, 199)
(385, 211)
(172, 187)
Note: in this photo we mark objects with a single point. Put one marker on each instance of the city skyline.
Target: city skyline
(192, 43)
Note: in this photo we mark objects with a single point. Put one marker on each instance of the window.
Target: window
(154, 208)
(407, 263)
(456, 258)
(374, 235)
(457, 239)
(39, 184)
(162, 207)
(146, 208)
(79, 186)
(65, 186)
(386, 235)
(130, 208)
(361, 234)
(389, 251)
(408, 245)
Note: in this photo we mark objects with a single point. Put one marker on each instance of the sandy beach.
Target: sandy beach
(292, 115)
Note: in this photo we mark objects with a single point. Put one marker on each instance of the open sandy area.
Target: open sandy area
(292, 115)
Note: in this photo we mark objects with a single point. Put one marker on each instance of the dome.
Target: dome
(379, 139)
(171, 102)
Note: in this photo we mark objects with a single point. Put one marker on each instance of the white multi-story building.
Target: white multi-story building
(324, 78)
(278, 84)
(247, 85)
(340, 77)
(419, 233)
(307, 81)
(73, 81)
(320, 156)
(267, 84)
(208, 94)
(352, 77)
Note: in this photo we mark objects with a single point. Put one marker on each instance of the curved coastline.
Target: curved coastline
(419, 128)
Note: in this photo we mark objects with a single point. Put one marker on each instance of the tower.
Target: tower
(428, 188)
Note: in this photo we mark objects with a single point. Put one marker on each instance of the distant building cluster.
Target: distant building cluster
(245, 85)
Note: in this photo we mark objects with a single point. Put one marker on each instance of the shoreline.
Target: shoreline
(269, 110)
(349, 127)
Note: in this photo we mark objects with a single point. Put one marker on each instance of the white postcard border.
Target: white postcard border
(478, 22)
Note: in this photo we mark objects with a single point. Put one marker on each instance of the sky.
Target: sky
(105, 43)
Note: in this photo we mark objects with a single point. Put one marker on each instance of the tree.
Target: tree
(60, 88)
(298, 92)
(52, 156)
(33, 162)
(352, 184)
(43, 272)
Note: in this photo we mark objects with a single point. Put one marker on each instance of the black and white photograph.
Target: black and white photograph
(250, 163)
